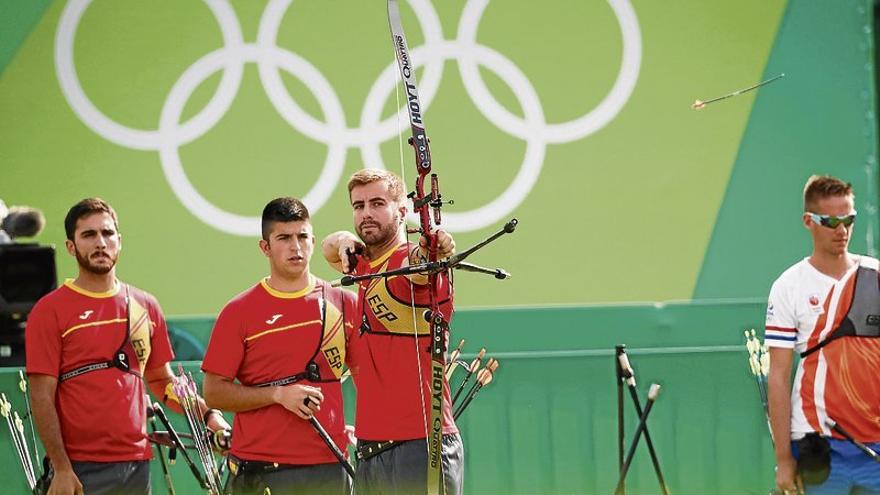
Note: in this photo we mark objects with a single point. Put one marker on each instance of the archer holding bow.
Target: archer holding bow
(275, 359)
(392, 354)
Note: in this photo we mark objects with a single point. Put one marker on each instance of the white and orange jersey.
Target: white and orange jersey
(839, 381)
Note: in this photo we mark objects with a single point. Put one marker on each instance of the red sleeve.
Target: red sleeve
(352, 325)
(43, 341)
(352, 317)
(362, 267)
(160, 341)
(225, 350)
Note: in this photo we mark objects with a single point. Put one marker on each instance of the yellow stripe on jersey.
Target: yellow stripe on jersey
(381, 259)
(140, 331)
(395, 316)
(98, 295)
(281, 329)
(333, 340)
(92, 324)
(288, 295)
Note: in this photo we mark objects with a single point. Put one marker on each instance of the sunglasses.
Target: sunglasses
(832, 221)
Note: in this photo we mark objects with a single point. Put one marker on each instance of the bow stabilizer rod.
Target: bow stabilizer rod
(434, 267)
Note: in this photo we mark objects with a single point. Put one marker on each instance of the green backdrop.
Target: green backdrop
(627, 181)
(645, 200)
(547, 423)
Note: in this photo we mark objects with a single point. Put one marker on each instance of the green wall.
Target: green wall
(547, 424)
(827, 55)
(655, 202)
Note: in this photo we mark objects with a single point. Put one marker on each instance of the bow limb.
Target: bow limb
(423, 205)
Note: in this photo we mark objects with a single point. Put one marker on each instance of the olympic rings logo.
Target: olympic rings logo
(171, 133)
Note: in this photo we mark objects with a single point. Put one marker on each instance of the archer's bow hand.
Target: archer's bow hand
(220, 440)
(302, 400)
(787, 480)
(65, 482)
(215, 421)
(445, 246)
(219, 431)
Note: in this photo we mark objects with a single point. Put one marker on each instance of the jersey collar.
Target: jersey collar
(288, 295)
(97, 295)
(385, 256)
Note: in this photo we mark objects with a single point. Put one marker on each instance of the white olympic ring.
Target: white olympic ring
(372, 131)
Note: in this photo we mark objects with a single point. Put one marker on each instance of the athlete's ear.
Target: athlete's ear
(403, 211)
(71, 247)
(807, 221)
(264, 247)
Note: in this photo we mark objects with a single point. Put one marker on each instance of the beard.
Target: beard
(88, 266)
(378, 236)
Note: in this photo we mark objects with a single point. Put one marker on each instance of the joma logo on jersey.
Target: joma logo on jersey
(273, 319)
(86, 314)
(380, 310)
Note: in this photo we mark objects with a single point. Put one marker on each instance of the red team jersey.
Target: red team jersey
(102, 413)
(386, 366)
(263, 335)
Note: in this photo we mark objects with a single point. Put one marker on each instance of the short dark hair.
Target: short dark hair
(283, 210)
(85, 208)
(824, 186)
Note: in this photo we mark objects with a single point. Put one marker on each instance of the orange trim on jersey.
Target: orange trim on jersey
(853, 393)
(288, 295)
(332, 333)
(811, 362)
(385, 256)
(373, 283)
(280, 329)
(140, 321)
(811, 365)
(97, 295)
(92, 324)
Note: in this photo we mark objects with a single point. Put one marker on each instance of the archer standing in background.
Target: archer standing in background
(817, 307)
(394, 365)
(285, 341)
(88, 345)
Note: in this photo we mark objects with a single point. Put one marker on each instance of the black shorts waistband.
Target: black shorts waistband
(240, 466)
